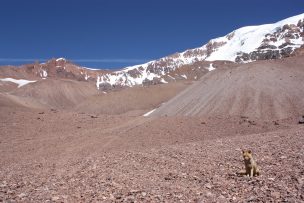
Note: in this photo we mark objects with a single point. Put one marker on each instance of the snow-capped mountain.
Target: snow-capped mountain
(247, 44)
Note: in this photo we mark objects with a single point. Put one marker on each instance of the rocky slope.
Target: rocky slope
(266, 90)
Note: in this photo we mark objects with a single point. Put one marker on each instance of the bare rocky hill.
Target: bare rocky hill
(60, 68)
(82, 96)
(264, 90)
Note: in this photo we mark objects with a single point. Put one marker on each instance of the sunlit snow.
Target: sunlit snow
(60, 59)
(44, 73)
(211, 68)
(163, 80)
(184, 76)
(248, 39)
(147, 114)
(19, 82)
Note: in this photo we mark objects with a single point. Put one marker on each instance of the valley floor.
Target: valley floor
(52, 155)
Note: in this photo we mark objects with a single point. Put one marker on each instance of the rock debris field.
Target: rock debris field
(57, 156)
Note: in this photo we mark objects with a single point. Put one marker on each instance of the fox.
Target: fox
(251, 167)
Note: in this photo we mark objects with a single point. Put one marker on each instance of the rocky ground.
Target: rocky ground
(64, 141)
(57, 156)
(266, 90)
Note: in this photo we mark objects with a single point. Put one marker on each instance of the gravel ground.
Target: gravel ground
(69, 157)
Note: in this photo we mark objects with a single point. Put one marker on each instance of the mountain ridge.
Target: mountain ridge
(250, 43)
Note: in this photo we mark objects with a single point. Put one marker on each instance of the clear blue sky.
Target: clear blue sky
(118, 33)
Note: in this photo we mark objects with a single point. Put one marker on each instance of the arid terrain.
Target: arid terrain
(64, 141)
(265, 90)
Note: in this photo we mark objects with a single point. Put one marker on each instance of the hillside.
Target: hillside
(267, 90)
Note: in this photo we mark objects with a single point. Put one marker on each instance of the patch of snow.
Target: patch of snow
(148, 113)
(184, 76)
(145, 65)
(61, 59)
(98, 82)
(124, 78)
(298, 41)
(90, 68)
(44, 73)
(163, 81)
(19, 82)
(211, 68)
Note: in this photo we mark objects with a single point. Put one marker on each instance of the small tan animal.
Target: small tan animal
(251, 168)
